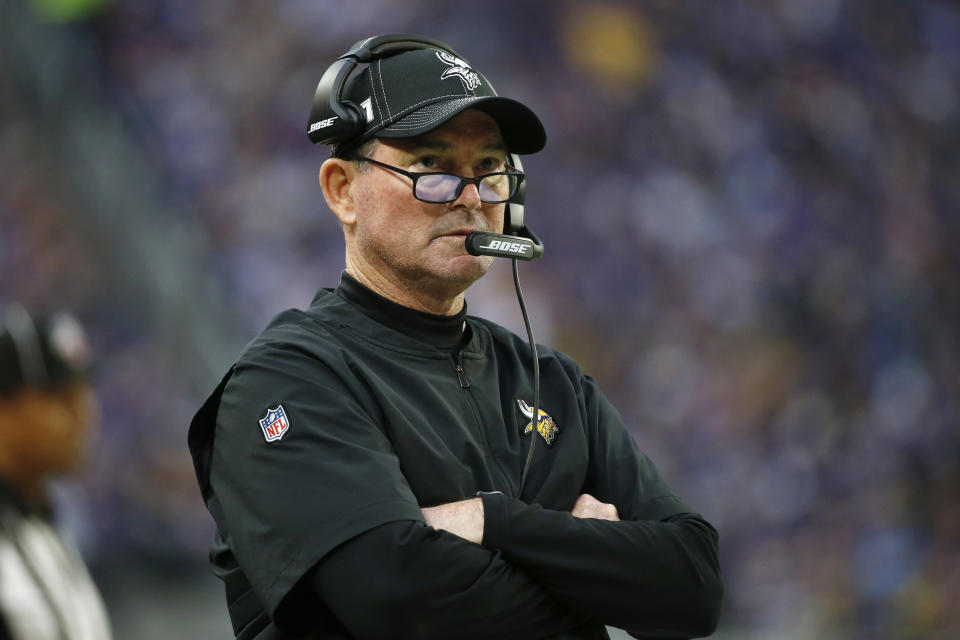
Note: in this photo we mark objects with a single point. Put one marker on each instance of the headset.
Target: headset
(336, 121)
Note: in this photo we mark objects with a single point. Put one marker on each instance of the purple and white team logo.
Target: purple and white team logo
(274, 424)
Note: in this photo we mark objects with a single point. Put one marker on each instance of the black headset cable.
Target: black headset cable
(535, 420)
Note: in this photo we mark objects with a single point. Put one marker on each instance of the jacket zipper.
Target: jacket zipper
(461, 374)
(465, 385)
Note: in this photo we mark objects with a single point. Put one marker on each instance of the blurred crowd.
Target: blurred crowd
(749, 210)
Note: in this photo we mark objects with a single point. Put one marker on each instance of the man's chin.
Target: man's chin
(459, 272)
(468, 268)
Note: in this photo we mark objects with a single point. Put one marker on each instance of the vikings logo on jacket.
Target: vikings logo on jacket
(546, 427)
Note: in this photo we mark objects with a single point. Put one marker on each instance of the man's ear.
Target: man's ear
(336, 180)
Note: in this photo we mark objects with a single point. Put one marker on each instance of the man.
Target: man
(363, 458)
(47, 416)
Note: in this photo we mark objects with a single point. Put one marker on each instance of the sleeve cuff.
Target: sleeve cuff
(494, 518)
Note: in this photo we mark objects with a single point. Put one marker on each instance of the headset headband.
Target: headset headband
(334, 120)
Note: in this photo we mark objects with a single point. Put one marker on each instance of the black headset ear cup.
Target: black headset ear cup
(513, 213)
(352, 122)
(334, 120)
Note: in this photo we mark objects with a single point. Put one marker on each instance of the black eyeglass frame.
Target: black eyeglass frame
(416, 175)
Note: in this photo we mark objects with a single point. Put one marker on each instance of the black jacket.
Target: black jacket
(318, 510)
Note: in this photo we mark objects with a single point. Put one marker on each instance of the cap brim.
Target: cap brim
(520, 127)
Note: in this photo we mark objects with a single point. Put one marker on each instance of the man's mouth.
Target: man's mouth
(457, 233)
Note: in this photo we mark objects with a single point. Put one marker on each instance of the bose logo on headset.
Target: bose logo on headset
(367, 106)
(316, 126)
(503, 245)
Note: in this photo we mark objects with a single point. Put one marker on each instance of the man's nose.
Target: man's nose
(469, 197)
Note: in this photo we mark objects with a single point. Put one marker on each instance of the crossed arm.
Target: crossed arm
(465, 517)
(654, 578)
(433, 585)
(537, 573)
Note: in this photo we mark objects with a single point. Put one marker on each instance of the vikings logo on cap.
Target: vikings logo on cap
(275, 424)
(546, 427)
(459, 68)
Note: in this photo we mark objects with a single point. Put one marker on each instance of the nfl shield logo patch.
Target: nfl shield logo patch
(274, 424)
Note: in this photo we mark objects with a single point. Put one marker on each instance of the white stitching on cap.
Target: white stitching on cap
(416, 121)
(403, 114)
(380, 77)
(415, 125)
(373, 90)
(449, 95)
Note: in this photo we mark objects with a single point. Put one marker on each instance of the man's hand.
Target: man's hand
(463, 518)
(587, 506)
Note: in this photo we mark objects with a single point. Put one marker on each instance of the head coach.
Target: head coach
(367, 460)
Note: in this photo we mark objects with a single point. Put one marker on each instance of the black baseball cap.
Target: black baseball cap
(45, 351)
(413, 92)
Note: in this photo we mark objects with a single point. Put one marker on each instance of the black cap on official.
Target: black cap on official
(410, 93)
(41, 352)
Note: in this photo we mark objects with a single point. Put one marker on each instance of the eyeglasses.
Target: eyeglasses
(434, 187)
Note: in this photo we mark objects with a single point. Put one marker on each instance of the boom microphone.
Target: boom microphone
(500, 245)
(526, 247)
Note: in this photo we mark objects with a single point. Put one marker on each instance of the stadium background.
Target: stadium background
(750, 210)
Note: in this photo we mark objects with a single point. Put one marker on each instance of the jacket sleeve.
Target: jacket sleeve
(655, 573)
(432, 584)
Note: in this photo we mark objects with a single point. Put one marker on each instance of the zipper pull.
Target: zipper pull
(461, 374)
